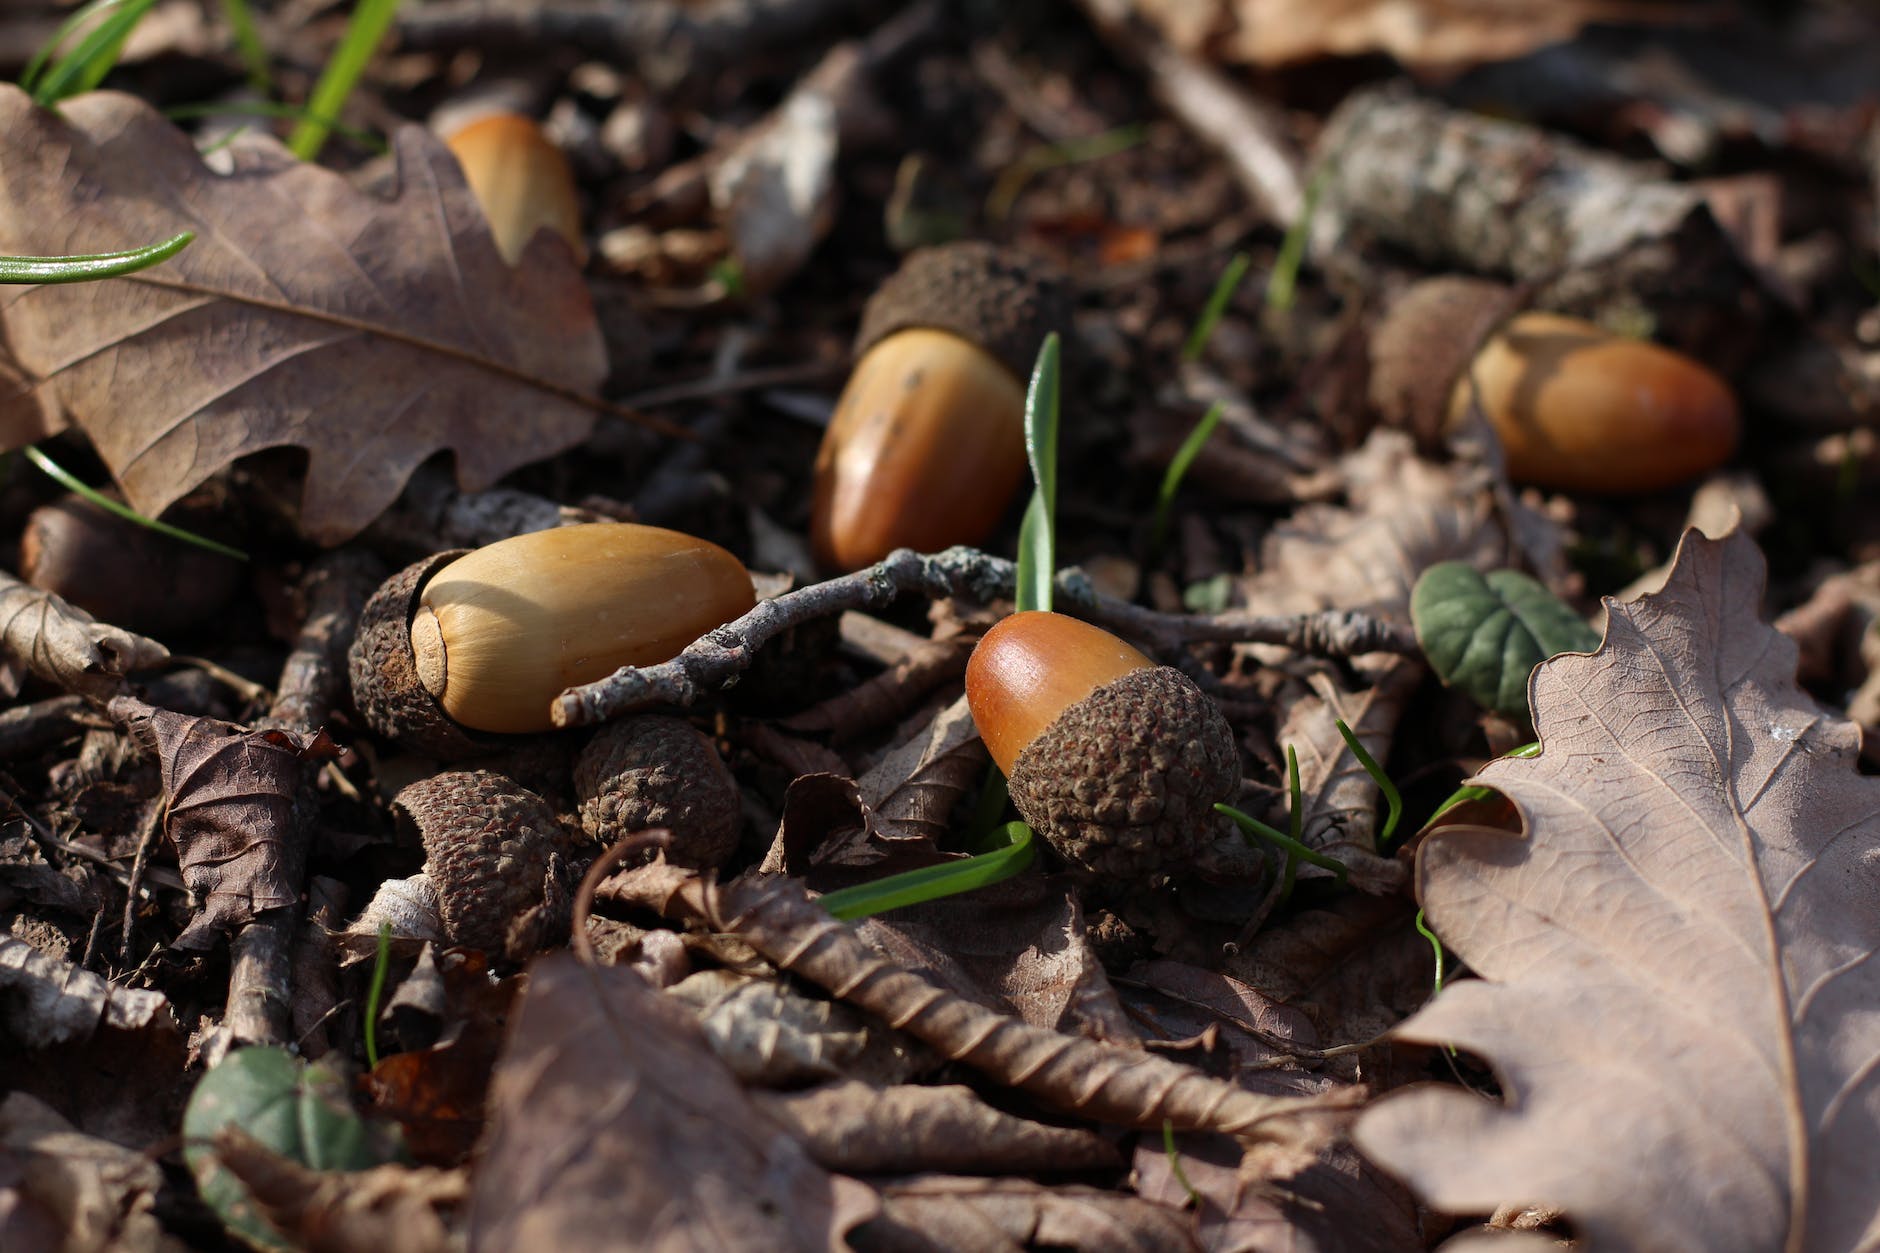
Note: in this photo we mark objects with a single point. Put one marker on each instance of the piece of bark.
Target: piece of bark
(1602, 236)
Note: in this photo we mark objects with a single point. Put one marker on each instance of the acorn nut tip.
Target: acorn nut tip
(926, 446)
(521, 180)
(1115, 761)
(1573, 406)
(462, 648)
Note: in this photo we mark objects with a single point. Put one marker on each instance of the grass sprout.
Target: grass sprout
(92, 266)
(72, 483)
(364, 32)
(51, 77)
(930, 883)
(1392, 797)
(1037, 543)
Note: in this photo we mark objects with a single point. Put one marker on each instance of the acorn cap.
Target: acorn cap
(1124, 782)
(998, 298)
(385, 682)
(1424, 344)
(495, 854)
(654, 771)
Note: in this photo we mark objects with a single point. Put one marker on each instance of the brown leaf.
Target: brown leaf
(75, 1193)
(230, 810)
(1177, 1001)
(900, 1130)
(1339, 1204)
(305, 314)
(915, 788)
(364, 1211)
(611, 1119)
(1679, 984)
(772, 1034)
(62, 644)
(49, 1001)
(992, 1215)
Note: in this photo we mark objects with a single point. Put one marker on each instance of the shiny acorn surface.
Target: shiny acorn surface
(522, 181)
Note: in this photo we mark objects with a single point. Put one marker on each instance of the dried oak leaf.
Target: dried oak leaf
(61, 1189)
(230, 796)
(611, 1120)
(307, 313)
(45, 1001)
(63, 644)
(1680, 990)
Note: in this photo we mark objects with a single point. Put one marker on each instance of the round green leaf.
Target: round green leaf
(300, 1112)
(1485, 634)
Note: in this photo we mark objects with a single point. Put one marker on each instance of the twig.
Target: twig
(1248, 133)
(146, 837)
(1103, 1081)
(259, 1009)
(716, 660)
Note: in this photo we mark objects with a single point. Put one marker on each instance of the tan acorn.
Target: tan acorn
(1115, 761)
(1573, 406)
(926, 447)
(522, 181)
(461, 648)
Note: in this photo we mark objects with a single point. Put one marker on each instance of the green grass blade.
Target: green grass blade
(1279, 839)
(1037, 545)
(1224, 289)
(1013, 178)
(1392, 797)
(72, 483)
(1424, 931)
(1284, 281)
(930, 883)
(84, 269)
(241, 20)
(370, 20)
(29, 77)
(1178, 468)
(1476, 792)
(86, 65)
(380, 968)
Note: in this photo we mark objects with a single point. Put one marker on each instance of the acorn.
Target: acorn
(1573, 406)
(1116, 761)
(655, 771)
(462, 647)
(522, 181)
(927, 443)
(495, 856)
(124, 573)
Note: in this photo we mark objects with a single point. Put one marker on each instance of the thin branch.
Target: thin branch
(716, 660)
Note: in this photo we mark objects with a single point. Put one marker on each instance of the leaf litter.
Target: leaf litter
(730, 1068)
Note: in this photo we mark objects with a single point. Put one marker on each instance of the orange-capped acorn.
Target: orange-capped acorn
(926, 447)
(521, 180)
(1116, 761)
(1573, 406)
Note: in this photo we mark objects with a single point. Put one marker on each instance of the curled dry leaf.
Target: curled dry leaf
(909, 1128)
(914, 789)
(230, 796)
(63, 644)
(1105, 1082)
(610, 1115)
(61, 1189)
(995, 1215)
(306, 313)
(346, 1211)
(772, 1035)
(1679, 989)
(47, 1001)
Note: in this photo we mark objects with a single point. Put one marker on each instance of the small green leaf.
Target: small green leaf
(97, 265)
(300, 1112)
(1037, 546)
(1224, 288)
(1485, 634)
